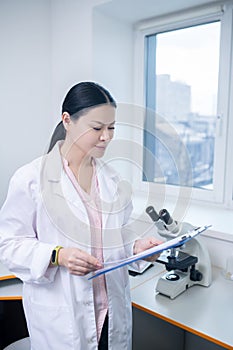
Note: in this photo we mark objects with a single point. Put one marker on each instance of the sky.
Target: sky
(191, 55)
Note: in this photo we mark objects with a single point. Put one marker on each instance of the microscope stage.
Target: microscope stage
(173, 283)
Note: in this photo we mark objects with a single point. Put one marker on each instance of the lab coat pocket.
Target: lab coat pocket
(49, 318)
(50, 326)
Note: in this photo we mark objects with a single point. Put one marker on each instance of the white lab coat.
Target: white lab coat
(43, 210)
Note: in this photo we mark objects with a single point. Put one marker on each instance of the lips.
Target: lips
(101, 147)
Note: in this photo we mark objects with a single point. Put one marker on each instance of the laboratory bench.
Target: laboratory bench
(199, 318)
(12, 320)
(10, 286)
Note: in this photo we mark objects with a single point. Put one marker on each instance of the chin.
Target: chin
(98, 153)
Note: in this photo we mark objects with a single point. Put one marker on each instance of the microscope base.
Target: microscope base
(173, 283)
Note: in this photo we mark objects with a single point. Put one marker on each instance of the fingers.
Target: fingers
(84, 259)
(152, 241)
(77, 261)
(146, 243)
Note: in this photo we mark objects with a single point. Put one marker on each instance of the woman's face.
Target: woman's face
(93, 131)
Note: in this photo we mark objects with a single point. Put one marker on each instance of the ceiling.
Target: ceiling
(133, 11)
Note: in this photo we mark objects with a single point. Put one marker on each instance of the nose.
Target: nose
(105, 136)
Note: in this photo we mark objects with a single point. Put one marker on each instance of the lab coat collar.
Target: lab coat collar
(53, 163)
(51, 177)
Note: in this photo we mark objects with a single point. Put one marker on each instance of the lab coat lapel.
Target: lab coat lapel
(112, 201)
(107, 190)
(63, 205)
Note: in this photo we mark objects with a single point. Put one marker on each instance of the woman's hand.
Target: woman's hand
(145, 243)
(77, 261)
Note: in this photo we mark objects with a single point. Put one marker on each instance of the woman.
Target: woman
(64, 217)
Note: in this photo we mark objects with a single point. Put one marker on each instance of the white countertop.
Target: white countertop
(5, 273)
(205, 311)
(11, 289)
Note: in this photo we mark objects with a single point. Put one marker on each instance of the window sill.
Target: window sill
(197, 213)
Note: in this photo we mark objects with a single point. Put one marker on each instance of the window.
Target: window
(185, 68)
(187, 89)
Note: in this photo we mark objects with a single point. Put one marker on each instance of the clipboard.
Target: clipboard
(173, 243)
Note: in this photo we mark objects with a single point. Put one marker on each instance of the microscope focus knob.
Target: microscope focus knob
(195, 275)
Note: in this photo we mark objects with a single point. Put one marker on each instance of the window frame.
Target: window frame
(222, 193)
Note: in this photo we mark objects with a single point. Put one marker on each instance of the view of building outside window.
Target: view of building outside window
(186, 88)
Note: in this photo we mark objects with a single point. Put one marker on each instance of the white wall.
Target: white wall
(71, 46)
(25, 108)
(113, 47)
(113, 55)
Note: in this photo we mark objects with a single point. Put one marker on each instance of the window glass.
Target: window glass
(182, 87)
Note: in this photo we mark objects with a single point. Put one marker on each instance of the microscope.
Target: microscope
(186, 265)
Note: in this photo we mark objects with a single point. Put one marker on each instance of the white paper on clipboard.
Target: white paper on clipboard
(175, 242)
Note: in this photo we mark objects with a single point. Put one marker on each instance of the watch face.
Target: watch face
(53, 258)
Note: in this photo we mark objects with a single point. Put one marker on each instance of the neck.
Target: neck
(75, 157)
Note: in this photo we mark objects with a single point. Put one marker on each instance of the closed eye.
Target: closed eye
(109, 128)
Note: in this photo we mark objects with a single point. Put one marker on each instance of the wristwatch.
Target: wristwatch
(54, 256)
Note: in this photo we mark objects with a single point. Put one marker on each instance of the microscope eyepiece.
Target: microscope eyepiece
(165, 216)
(166, 226)
(152, 213)
(171, 224)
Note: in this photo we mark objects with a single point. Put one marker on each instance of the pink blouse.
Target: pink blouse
(92, 204)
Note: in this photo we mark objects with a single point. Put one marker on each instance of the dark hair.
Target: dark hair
(85, 95)
(78, 100)
(58, 134)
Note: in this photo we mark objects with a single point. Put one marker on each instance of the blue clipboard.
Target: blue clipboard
(173, 243)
